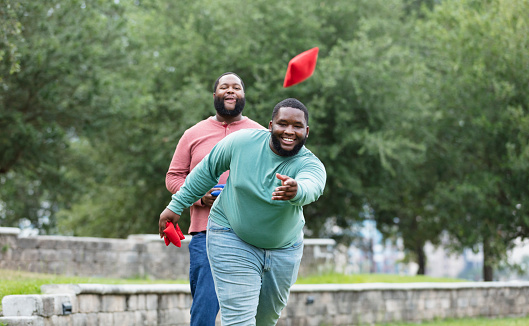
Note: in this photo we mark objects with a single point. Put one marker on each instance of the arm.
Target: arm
(180, 167)
(203, 177)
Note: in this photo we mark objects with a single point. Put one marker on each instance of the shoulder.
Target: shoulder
(200, 127)
(206, 123)
(250, 133)
(307, 156)
(249, 123)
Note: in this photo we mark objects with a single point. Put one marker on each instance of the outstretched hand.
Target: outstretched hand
(287, 190)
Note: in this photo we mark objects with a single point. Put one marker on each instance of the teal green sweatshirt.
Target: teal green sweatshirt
(245, 204)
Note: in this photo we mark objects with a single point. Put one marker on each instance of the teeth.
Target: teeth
(288, 140)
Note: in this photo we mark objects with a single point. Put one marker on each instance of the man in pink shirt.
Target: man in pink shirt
(197, 142)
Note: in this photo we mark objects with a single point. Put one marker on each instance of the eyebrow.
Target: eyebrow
(228, 84)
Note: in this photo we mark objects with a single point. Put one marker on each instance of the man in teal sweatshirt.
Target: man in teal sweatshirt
(255, 228)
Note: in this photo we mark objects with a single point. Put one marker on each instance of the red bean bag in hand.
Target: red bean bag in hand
(173, 235)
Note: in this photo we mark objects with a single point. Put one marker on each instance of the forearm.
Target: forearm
(310, 186)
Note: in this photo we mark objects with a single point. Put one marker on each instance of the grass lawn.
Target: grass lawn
(17, 282)
(370, 278)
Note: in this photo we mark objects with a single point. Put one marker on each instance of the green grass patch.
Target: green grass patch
(335, 278)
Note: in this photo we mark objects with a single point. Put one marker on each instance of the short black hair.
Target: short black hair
(224, 74)
(291, 103)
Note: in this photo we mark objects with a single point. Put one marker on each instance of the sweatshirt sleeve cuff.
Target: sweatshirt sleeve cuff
(174, 207)
(297, 197)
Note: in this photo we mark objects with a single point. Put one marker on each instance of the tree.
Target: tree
(66, 54)
(477, 52)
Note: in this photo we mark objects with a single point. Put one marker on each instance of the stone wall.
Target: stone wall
(139, 256)
(308, 305)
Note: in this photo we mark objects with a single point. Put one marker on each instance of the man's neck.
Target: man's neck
(228, 120)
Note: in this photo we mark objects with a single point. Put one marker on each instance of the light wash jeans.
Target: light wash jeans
(205, 306)
(253, 284)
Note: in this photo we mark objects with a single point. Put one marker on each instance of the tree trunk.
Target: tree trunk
(421, 260)
(488, 271)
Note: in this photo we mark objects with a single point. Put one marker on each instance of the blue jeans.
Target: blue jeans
(253, 284)
(205, 305)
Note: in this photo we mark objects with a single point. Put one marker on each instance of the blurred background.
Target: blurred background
(419, 110)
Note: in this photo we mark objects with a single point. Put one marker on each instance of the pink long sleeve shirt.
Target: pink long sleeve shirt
(195, 144)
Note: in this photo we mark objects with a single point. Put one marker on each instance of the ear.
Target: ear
(270, 125)
(307, 132)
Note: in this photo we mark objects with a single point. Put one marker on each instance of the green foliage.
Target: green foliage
(478, 53)
(9, 31)
(67, 52)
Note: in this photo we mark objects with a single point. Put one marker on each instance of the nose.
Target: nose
(289, 129)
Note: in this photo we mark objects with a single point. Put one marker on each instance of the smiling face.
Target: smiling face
(289, 131)
(229, 97)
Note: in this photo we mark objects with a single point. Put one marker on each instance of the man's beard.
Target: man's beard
(277, 146)
(222, 111)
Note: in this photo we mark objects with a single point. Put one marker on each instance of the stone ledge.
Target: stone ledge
(37, 305)
(405, 286)
(9, 231)
(115, 288)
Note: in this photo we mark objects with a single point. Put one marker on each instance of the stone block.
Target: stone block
(113, 303)
(88, 303)
(65, 243)
(151, 317)
(151, 301)
(132, 303)
(60, 320)
(37, 266)
(392, 305)
(142, 302)
(22, 305)
(129, 257)
(80, 320)
(173, 317)
(31, 255)
(106, 319)
(85, 319)
(46, 243)
(89, 256)
(124, 318)
(107, 257)
(57, 267)
(22, 321)
(184, 301)
(27, 243)
(462, 303)
(65, 255)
